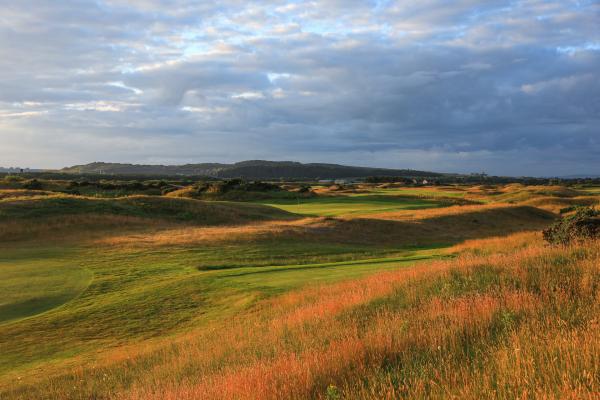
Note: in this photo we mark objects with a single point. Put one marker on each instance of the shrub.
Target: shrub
(583, 224)
(33, 184)
(235, 185)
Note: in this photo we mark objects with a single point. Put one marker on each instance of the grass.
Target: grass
(139, 206)
(39, 285)
(499, 325)
(426, 192)
(59, 216)
(591, 189)
(149, 297)
(130, 297)
(353, 205)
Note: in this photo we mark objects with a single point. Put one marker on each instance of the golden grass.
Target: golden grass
(187, 235)
(188, 191)
(82, 217)
(542, 355)
(309, 340)
(499, 244)
(556, 204)
(415, 227)
(521, 322)
(414, 215)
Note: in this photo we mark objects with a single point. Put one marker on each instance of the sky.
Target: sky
(502, 87)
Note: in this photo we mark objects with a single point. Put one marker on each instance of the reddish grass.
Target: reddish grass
(509, 340)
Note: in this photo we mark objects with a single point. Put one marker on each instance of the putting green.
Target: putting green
(28, 289)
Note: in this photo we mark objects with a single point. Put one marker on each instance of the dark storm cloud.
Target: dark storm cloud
(509, 87)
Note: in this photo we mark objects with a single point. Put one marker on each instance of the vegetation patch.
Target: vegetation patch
(582, 225)
(240, 190)
(361, 297)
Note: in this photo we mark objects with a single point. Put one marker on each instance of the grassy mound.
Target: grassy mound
(70, 216)
(439, 228)
(563, 204)
(518, 193)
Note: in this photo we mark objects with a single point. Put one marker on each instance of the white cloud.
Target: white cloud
(101, 106)
(248, 95)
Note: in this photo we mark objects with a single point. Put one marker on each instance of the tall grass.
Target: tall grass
(509, 318)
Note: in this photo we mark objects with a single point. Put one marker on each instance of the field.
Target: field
(363, 292)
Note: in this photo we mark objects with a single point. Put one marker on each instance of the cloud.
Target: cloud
(506, 87)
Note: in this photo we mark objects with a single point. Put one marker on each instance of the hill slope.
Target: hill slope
(255, 169)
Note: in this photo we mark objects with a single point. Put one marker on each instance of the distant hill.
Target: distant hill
(255, 169)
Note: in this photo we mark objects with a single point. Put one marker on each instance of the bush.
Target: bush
(33, 184)
(235, 185)
(582, 225)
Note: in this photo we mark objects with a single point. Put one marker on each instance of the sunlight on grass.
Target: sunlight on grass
(351, 205)
(213, 298)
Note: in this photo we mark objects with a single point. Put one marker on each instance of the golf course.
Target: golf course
(144, 296)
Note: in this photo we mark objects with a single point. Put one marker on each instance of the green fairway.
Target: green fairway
(357, 204)
(288, 277)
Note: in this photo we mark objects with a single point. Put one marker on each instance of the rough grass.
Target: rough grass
(477, 327)
(139, 206)
(520, 322)
(557, 205)
(406, 229)
(22, 218)
(520, 193)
